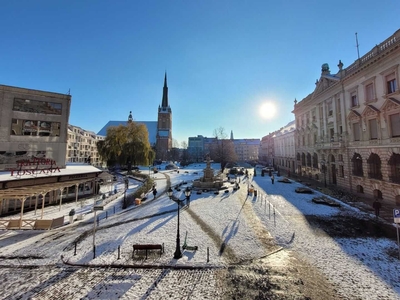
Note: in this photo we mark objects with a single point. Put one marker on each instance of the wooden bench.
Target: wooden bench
(147, 247)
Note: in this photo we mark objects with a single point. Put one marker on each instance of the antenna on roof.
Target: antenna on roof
(69, 92)
(358, 52)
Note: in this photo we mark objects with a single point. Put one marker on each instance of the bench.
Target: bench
(147, 247)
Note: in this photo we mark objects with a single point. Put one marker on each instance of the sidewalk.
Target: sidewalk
(360, 201)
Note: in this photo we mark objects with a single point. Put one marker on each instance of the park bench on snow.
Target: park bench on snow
(147, 247)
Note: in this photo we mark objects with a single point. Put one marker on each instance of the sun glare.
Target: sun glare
(268, 110)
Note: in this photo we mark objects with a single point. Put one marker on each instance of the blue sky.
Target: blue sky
(224, 59)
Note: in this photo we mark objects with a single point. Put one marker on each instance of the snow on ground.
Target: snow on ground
(229, 223)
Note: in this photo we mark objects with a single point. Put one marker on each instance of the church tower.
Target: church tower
(164, 126)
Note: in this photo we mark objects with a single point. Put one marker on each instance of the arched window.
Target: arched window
(308, 160)
(357, 165)
(315, 160)
(303, 159)
(394, 163)
(298, 156)
(374, 166)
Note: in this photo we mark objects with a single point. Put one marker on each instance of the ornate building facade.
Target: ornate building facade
(348, 128)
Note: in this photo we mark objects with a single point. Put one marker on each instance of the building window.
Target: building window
(34, 106)
(341, 171)
(356, 131)
(374, 165)
(315, 160)
(391, 84)
(35, 128)
(373, 129)
(395, 125)
(308, 160)
(394, 163)
(357, 167)
(369, 92)
(303, 159)
(330, 109)
(354, 100)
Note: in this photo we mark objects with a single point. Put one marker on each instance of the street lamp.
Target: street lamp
(323, 164)
(126, 188)
(178, 253)
(187, 194)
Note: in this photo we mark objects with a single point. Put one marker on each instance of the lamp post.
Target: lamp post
(187, 194)
(178, 253)
(323, 164)
(126, 188)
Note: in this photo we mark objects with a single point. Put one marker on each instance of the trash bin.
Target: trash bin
(138, 201)
(255, 193)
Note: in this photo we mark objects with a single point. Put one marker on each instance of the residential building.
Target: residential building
(82, 146)
(348, 128)
(284, 148)
(266, 154)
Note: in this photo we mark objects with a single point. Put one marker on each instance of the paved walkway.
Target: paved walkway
(358, 200)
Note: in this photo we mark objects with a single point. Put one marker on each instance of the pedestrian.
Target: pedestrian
(154, 192)
(377, 206)
(272, 178)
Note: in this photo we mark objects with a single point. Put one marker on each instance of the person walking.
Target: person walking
(377, 206)
(154, 192)
(272, 178)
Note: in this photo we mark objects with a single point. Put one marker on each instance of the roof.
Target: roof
(39, 183)
(151, 128)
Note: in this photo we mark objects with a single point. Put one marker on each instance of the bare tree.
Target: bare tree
(222, 150)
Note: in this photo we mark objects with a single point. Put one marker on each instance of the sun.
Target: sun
(268, 110)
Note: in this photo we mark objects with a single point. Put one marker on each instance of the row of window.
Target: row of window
(372, 126)
(374, 165)
(35, 106)
(391, 87)
(370, 96)
(35, 128)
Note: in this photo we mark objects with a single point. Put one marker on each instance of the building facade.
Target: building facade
(266, 154)
(164, 126)
(348, 128)
(33, 126)
(82, 146)
(284, 148)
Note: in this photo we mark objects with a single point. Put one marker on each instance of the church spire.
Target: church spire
(231, 134)
(164, 103)
(130, 118)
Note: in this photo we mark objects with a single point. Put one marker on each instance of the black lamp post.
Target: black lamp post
(324, 171)
(178, 253)
(187, 194)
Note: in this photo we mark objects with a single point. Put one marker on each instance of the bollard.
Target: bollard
(274, 217)
(119, 252)
(269, 209)
(114, 210)
(208, 254)
(75, 249)
(106, 215)
(98, 219)
(94, 251)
